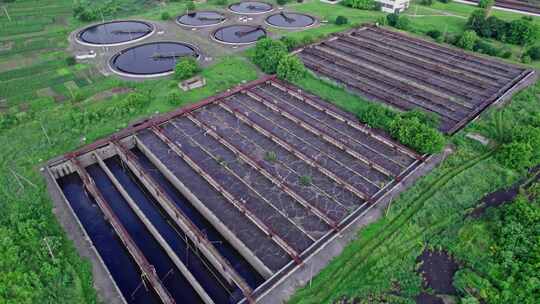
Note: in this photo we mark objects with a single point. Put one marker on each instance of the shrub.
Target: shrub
(467, 41)
(506, 54)
(186, 68)
(426, 2)
(522, 32)
(289, 42)
(402, 23)
(71, 60)
(382, 21)
(515, 155)
(526, 59)
(534, 52)
(291, 68)
(486, 3)
(413, 133)
(360, 4)
(282, 2)
(341, 20)
(485, 47)
(435, 34)
(445, 1)
(174, 99)
(376, 116)
(222, 2)
(190, 6)
(392, 19)
(165, 16)
(268, 54)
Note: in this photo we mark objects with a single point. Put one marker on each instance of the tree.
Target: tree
(515, 155)
(478, 22)
(534, 52)
(165, 16)
(522, 32)
(190, 6)
(467, 40)
(402, 23)
(417, 135)
(360, 4)
(435, 34)
(486, 3)
(341, 20)
(268, 54)
(186, 68)
(290, 42)
(70, 60)
(291, 68)
(392, 19)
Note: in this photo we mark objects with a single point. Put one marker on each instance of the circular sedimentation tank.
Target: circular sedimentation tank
(290, 20)
(201, 19)
(251, 7)
(115, 33)
(151, 59)
(239, 34)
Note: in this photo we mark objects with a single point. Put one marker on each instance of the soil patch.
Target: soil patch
(426, 298)
(500, 197)
(437, 271)
(110, 93)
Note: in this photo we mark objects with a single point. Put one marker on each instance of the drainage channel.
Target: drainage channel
(119, 263)
(248, 273)
(177, 285)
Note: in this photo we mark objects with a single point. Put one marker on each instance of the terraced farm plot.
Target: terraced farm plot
(225, 197)
(406, 73)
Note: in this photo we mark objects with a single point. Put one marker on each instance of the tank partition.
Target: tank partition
(151, 59)
(201, 19)
(287, 20)
(239, 34)
(115, 33)
(251, 7)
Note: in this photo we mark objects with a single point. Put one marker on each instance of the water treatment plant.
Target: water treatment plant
(269, 152)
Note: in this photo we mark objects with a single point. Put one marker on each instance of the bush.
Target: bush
(360, 4)
(417, 135)
(282, 2)
(426, 2)
(341, 20)
(268, 54)
(190, 6)
(222, 2)
(376, 116)
(526, 59)
(435, 34)
(71, 60)
(522, 32)
(486, 3)
(174, 99)
(534, 52)
(515, 155)
(186, 68)
(403, 23)
(291, 68)
(506, 54)
(467, 41)
(165, 16)
(289, 42)
(392, 19)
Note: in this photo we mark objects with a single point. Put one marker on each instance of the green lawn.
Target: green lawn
(380, 264)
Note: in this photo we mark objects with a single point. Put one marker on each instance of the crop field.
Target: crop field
(268, 174)
(408, 73)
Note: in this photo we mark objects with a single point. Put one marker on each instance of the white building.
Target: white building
(393, 6)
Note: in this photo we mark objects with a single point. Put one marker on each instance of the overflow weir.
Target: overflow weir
(219, 201)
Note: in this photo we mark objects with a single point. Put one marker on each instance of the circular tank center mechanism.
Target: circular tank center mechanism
(115, 32)
(250, 7)
(201, 19)
(239, 34)
(290, 20)
(152, 59)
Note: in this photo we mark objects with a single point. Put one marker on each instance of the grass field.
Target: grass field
(57, 108)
